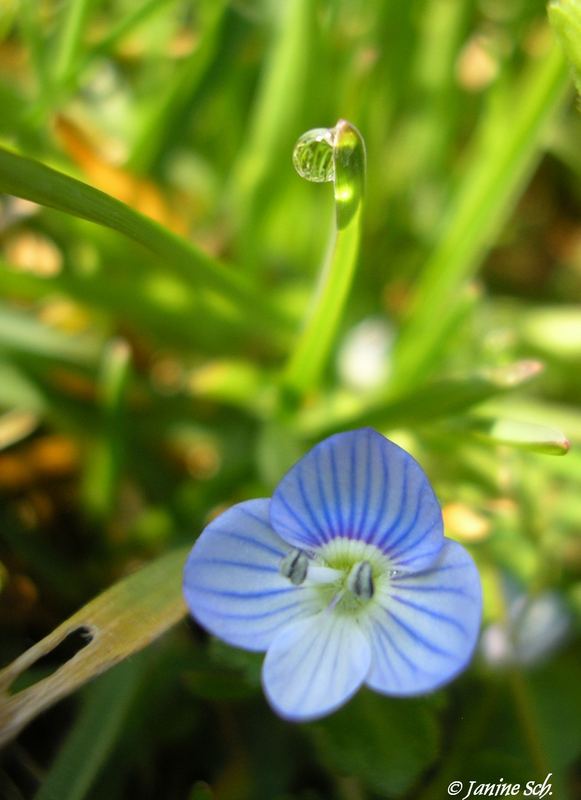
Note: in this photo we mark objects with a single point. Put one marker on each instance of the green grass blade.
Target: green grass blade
(31, 180)
(515, 433)
(276, 109)
(436, 400)
(178, 96)
(127, 24)
(565, 17)
(311, 354)
(22, 333)
(31, 27)
(106, 457)
(94, 734)
(501, 163)
(17, 390)
(70, 42)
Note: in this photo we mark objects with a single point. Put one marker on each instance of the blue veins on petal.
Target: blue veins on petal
(359, 485)
(232, 580)
(344, 578)
(315, 665)
(425, 626)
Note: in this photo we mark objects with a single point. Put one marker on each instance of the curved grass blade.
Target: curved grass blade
(31, 180)
(314, 346)
(121, 621)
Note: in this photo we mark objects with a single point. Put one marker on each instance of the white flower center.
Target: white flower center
(347, 574)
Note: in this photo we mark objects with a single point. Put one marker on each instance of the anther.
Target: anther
(295, 566)
(360, 581)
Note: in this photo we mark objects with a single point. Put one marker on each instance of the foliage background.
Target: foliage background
(141, 390)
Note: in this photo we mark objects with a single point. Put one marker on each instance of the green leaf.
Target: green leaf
(524, 435)
(121, 621)
(387, 743)
(23, 333)
(502, 160)
(106, 457)
(70, 43)
(93, 736)
(565, 17)
(178, 95)
(555, 331)
(435, 400)
(279, 99)
(31, 180)
(347, 151)
(19, 391)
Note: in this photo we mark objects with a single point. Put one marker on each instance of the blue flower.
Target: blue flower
(344, 577)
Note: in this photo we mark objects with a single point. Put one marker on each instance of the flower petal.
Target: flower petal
(315, 665)
(232, 583)
(425, 626)
(359, 485)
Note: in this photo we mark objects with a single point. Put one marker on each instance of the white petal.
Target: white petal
(425, 626)
(232, 583)
(315, 665)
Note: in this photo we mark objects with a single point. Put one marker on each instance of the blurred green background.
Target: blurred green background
(142, 377)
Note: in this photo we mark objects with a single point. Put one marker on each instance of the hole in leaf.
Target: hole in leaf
(48, 663)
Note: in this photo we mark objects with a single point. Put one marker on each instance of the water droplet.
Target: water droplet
(313, 155)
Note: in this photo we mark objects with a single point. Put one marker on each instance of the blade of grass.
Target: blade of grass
(436, 400)
(272, 127)
(178, 96)
(502, 160)
(31, 180)
(127, 24)
(17, 390)
(99, 725)
(160, 304)
(106, 458)
(565, 17)
(121, 621)
(515, 433)
(70, 42)
(32, 35)
(23, 333)
(310, 356)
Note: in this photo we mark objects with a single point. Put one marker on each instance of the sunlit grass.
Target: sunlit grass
(175, 303)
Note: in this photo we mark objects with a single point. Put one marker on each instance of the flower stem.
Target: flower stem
(311, 354)
(528, 721)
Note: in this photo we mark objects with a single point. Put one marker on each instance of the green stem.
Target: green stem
(106, 458)
(34, 43)
(311, 354)
(125, 25)
(278, 104)
(565, 17)
(70, 43)
(523, 702)
(176, 98)
(528, 722)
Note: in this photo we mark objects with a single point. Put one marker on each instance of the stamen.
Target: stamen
(295, 566)
(360, 581)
